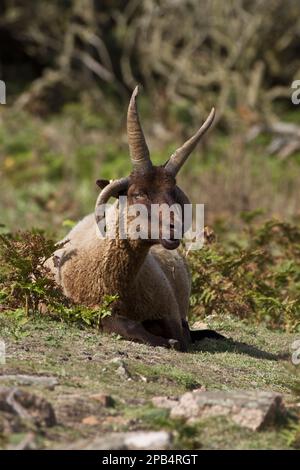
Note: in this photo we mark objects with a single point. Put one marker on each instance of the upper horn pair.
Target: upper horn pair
(139, 152)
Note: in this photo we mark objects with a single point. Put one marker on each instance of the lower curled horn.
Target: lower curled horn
(181, 197)
(111, 190)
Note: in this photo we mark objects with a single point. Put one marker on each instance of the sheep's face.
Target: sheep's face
(162, 203)
(157, 187)
(151, 187)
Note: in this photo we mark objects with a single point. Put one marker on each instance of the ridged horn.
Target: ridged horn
(180, 155)
(112, 189)
(139, 152)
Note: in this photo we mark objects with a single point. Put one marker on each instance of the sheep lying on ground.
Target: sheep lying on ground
(149, 276)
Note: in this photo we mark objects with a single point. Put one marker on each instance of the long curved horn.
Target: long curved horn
(180, 155)
(112, 189)
(138, 149)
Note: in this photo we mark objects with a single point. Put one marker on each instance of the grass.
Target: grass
(80, 358)
(167, 373)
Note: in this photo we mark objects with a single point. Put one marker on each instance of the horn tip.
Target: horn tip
(132, 102)
(135, 92)
(211, 117)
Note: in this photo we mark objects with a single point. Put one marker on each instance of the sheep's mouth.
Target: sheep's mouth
(170, 244)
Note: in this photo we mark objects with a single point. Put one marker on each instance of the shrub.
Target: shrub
(256, 277)
(24, 279)
(26, 283)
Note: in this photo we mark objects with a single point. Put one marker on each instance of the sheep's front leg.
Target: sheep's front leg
(132, 330)
(169, 328)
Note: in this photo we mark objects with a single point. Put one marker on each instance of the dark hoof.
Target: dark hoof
(174, 344)
(199, 335)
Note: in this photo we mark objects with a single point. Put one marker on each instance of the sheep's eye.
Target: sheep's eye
(139, 195)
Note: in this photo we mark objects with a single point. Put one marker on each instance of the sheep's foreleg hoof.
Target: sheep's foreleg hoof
(174, 344)
(135, 331)
(198, 335)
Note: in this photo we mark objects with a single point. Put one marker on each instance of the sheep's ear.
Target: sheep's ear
(103, 183)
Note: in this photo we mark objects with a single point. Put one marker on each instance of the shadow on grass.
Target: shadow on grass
(229, 345)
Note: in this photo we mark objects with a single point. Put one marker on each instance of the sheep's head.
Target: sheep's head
(148, 184)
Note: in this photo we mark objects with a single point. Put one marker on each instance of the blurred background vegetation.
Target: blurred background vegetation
(69, 68)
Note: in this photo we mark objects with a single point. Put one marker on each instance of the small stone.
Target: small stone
(116, 360)
(200, 389)
(199, 325)
(123, 353)
(122, 371)
(164, 402)
(103, 399)
(143, 378)
(90, 420)
(22, 379)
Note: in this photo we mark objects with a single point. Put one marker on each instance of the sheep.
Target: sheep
(149, 276)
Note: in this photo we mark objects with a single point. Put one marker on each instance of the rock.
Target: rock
(26, 406)
(90, 420)
(202, 388)
(103, 399)
(116, 360)
(251, 409)
(123, 353)
(27, 443)
(122, 369)
(142, 377)
(158, 440)
(20, 379)
(74, 407)
(147, 440)
(164, 402)
(10, 423)
(199, 325)
(171, 402)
